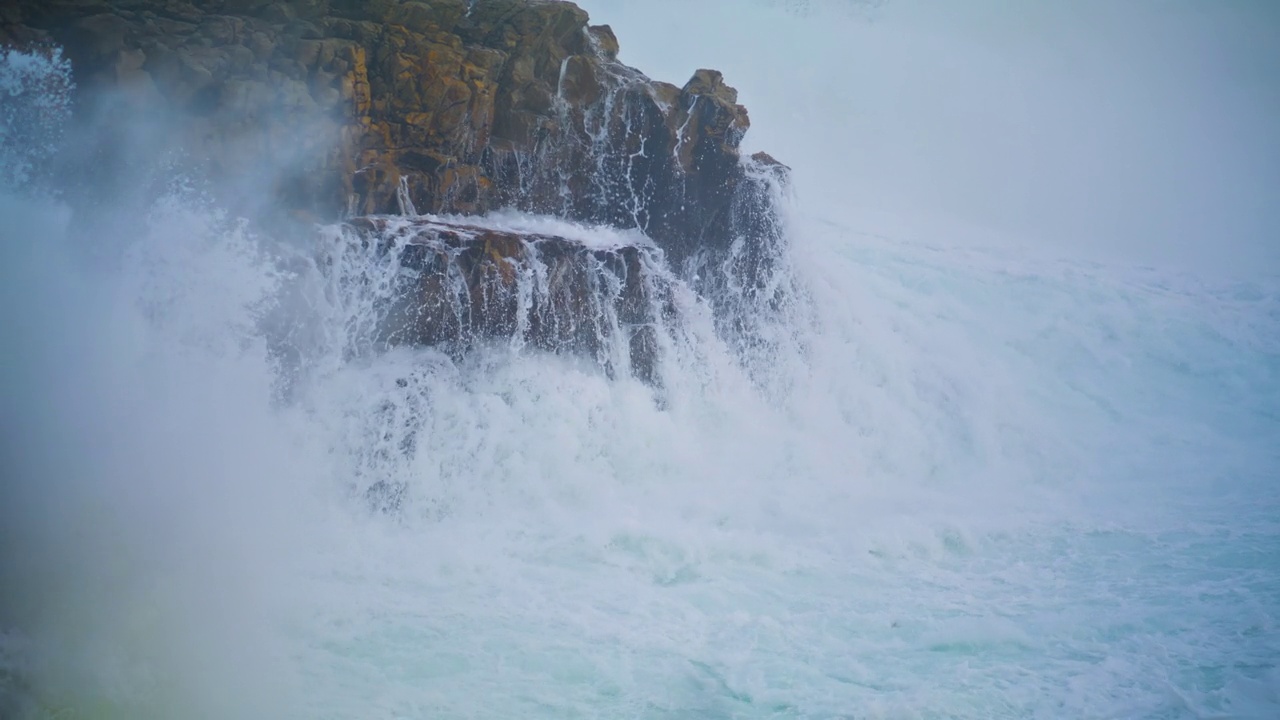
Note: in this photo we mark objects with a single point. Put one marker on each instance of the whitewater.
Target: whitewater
(964, 480)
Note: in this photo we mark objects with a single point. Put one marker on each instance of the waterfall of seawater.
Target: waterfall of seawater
(957, 483)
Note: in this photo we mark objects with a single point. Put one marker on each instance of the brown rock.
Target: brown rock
(604, 42)
(465, 283)
(472, 106)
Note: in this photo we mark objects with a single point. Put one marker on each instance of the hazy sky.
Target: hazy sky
(1146, 130)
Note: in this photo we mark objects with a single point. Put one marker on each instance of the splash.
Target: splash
(36, 90)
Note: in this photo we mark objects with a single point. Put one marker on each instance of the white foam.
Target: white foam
(598, 237)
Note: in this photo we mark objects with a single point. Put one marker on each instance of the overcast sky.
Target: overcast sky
(1141, 130)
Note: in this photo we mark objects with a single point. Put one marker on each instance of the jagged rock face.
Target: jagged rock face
(466, 106)
(455, 285)
(329, 109)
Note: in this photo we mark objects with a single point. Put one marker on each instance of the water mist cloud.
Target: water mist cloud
(142, 509)
(142, 499)
(1143, 132)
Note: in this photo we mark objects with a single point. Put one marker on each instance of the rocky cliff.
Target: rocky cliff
(346, 108)
(452, 106)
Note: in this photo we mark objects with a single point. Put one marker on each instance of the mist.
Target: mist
(143, 516)
(1137, 132)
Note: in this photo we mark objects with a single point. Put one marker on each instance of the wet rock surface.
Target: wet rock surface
(468, 106)
(457, 285)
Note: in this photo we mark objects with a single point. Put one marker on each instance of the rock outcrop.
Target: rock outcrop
(343, 109)
(353, 107)
(607, 298)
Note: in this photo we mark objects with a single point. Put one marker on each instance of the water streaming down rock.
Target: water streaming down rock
(482, 293)
(456, 285)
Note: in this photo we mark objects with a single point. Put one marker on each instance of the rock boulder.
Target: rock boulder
(455, 285)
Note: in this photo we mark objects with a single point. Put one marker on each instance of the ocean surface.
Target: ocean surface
(968, 481)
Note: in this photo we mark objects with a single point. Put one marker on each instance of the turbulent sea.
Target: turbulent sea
(967, 482)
